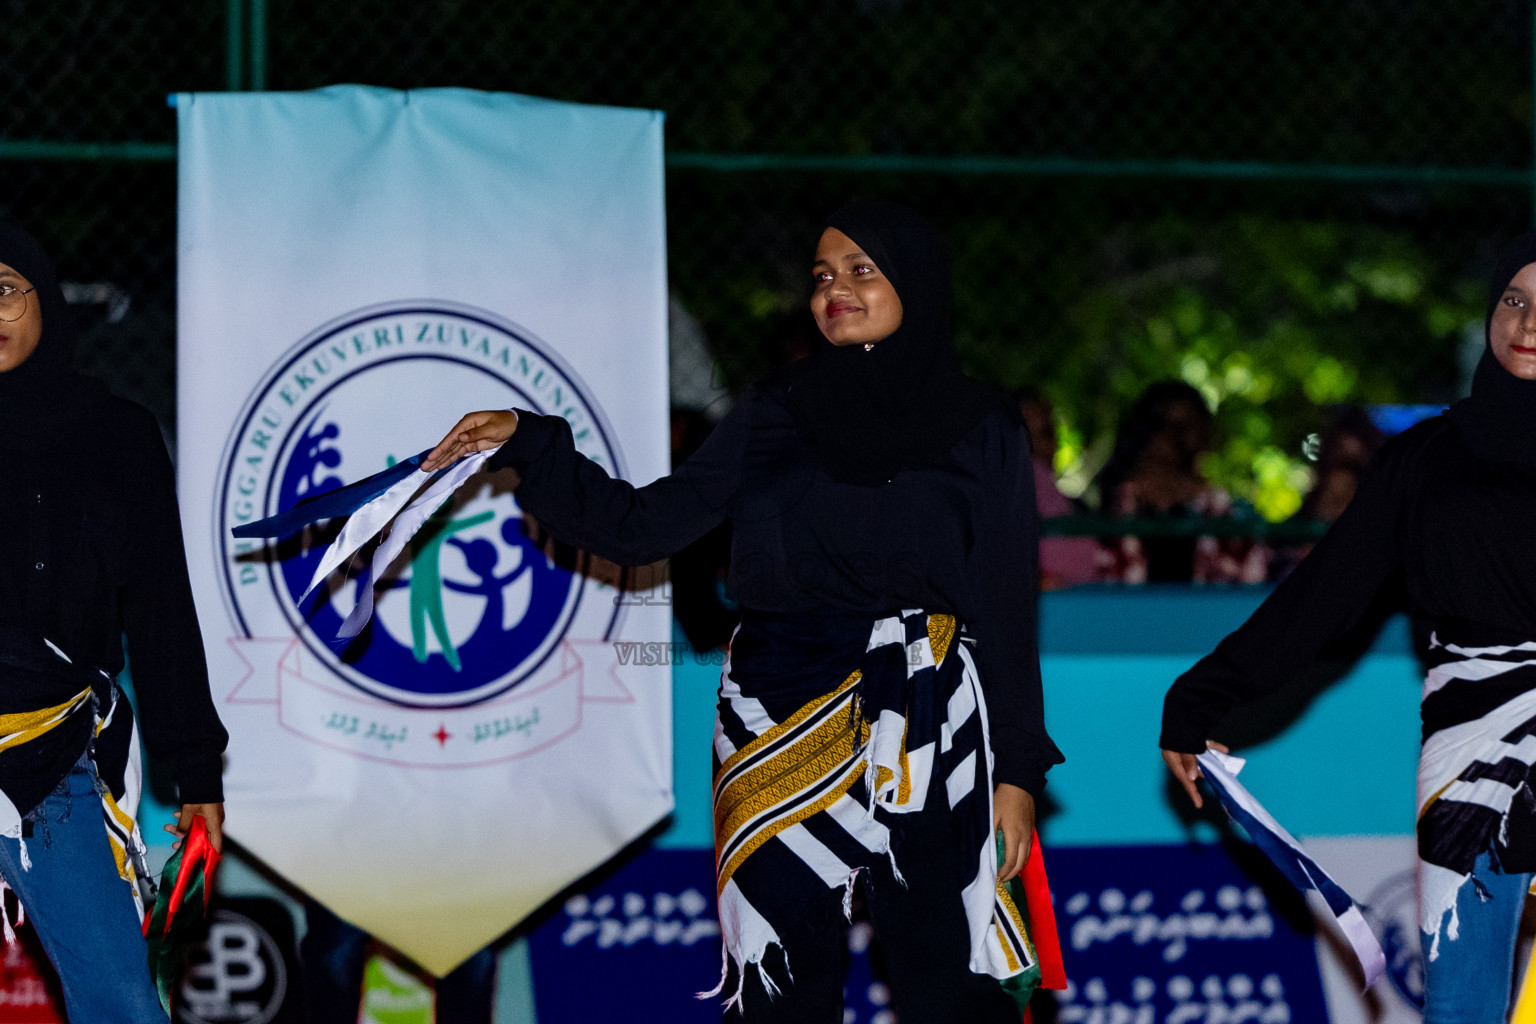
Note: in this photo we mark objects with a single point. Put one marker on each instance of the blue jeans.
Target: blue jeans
(81, 908)
(1470, 981)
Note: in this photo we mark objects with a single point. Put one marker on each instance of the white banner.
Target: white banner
(358, 267)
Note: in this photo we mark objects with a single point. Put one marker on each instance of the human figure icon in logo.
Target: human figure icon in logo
(481, 557)
(427, 582)
(318, 448)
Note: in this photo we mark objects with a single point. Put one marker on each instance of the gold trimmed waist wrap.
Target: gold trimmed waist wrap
(827, 779)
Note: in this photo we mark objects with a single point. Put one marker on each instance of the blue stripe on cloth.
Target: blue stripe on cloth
(332, 504)
(1299, 869)
(1220, 771)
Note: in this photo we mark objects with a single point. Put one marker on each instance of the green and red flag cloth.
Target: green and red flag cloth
(1027, 899)
(181, 906)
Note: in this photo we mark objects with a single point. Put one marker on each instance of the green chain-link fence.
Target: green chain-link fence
(1286, 204)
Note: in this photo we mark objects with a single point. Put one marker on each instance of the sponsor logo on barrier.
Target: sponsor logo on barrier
(470, 656)
(236, 974)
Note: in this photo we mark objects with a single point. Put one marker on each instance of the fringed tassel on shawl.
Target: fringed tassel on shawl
(736, 999)
(755, 937)
(1437, 896)
(5, 913)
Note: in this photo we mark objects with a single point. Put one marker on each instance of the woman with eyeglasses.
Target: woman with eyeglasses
(91, 559)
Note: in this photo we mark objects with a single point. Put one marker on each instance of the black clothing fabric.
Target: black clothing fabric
(704, 617)
(1453, 522)
(92, 553)
(92, 546)
(923, 944)
(905, 402)
(1499, 419)
(43, 403)
(815, 560)
(32, 679)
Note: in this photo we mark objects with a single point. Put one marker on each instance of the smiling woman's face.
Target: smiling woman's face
(854, 303)
(1512, 332)
(19, 338)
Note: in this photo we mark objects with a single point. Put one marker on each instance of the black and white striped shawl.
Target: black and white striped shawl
(807, 792)
(1475, 770)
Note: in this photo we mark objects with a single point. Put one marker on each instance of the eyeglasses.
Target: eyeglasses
(13, 302)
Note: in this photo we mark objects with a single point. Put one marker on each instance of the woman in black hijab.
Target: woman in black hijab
(1448, 506)
(90, 556)
(884, 556)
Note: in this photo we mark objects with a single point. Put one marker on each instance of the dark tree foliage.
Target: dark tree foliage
(1272, 296)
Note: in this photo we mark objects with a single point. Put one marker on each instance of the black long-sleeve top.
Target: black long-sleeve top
(959, 537)
(90, 556)
(1459, 530)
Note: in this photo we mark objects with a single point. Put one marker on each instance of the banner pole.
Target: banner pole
(258, 45)
(234, 45)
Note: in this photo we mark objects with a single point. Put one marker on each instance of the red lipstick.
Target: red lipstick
(837, 309)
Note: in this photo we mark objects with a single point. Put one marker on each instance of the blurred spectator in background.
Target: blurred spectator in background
(1344, 449)
(1154, 474)
(1064, 561)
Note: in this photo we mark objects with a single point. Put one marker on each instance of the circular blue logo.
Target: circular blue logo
(473, 605)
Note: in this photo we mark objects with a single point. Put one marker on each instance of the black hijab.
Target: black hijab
(1499, 420)
(904, 403)
(43, 402)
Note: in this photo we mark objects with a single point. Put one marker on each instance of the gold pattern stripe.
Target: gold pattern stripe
(941, 633)
(23, 721)
(772, 734)
(828, 715)
(1005, 900)
(778, 825)
(778, 779)
(1013, 961)
(26, 726)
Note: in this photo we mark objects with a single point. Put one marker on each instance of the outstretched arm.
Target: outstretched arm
(582, 505)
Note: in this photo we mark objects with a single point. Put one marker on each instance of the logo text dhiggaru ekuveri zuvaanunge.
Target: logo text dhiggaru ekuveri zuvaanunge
(472, 615)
